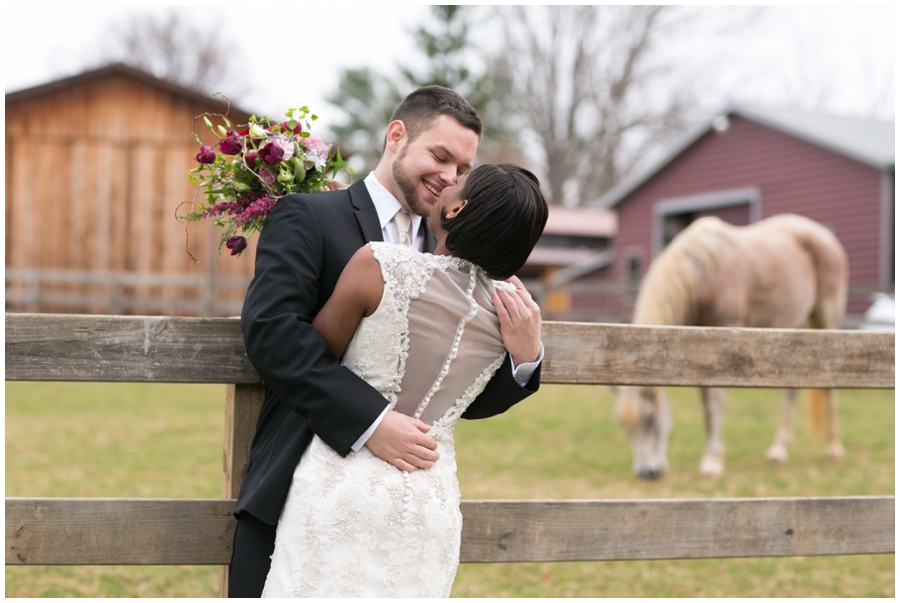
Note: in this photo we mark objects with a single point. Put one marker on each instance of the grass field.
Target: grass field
(123, 440)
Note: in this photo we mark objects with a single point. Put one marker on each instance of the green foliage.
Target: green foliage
(139, 440)
(368, 99)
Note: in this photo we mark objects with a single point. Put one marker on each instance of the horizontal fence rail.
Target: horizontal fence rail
(51, 531)
(73, 531)
(61, 347)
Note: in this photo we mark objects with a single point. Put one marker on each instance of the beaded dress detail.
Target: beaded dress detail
(357, 526)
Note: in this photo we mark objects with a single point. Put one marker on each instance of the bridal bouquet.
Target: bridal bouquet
(250, 167)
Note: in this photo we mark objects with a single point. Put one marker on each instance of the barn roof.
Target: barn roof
(585, 222)
(128, 71)
(867, 141)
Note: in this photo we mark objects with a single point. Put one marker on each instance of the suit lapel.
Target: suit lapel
(365, 211)
(429, 241)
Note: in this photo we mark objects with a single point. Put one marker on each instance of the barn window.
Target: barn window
(675, 223)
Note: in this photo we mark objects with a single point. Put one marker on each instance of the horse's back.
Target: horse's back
(793, 241)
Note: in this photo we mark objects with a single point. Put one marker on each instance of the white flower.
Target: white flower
(316, 153)
(257, 132)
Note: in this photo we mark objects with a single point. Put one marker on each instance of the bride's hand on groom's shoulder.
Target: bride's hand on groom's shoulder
(520, 323)
(400, 440)
(336, 185)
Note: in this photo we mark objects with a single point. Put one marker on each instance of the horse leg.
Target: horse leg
(833, 449)
(777, 452)
(713, 462)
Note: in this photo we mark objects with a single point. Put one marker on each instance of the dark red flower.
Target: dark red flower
(250, 158)
(232, 144)
(236, 244)
(271, 153)
(298, 127)
(206, 155)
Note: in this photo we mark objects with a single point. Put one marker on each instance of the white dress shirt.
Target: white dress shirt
(387, 205)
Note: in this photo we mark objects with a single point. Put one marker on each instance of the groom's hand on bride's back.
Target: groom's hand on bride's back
(400, 440)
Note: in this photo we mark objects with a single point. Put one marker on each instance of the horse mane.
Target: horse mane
(670, 291)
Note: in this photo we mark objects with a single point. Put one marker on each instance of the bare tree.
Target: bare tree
(596, 89)
(172, 48)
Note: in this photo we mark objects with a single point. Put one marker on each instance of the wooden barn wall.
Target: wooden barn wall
(792, 176)
(95, 175)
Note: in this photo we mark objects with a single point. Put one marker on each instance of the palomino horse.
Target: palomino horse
(783, 272)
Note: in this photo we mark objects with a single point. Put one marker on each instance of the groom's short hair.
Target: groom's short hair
(423, 106)
(502, 221)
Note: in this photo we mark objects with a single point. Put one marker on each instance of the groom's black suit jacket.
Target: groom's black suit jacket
(306, 242)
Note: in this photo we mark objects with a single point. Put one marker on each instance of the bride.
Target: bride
(423, 331)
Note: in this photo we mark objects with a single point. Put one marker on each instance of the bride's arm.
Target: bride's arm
(357, 294)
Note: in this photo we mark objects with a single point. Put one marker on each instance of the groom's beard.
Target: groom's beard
(408, 186)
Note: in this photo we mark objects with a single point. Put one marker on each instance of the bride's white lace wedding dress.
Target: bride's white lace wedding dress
(357, 526)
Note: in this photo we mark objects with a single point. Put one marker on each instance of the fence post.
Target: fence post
(242, 406)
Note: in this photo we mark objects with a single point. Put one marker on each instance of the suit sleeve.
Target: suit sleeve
(502, 392)
(287, 352)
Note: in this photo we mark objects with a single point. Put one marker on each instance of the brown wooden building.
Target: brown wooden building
(96, 167)
(752, 163)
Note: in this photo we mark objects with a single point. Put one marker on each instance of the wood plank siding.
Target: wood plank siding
(96, 169)
(791, 175)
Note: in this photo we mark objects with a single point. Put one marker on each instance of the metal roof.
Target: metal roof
(586, 222)
(866, 141)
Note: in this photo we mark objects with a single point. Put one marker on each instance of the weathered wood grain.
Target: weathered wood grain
(716, 357)
(199, 532)
(500, 531)
(242, 406)
(98, 531)
(46, 347)
(73, 347)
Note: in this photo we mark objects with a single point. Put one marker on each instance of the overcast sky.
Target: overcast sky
(840, 59)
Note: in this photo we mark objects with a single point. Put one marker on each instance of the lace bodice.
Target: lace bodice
(434, 337)
(358, 526)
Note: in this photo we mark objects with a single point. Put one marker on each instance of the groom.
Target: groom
(306, 242)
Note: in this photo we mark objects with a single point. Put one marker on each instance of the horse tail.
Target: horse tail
(815, 403)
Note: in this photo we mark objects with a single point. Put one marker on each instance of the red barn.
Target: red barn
(752, 163)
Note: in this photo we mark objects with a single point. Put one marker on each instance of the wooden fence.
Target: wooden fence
(72, 531)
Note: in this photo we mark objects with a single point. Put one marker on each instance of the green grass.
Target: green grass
(123, 440)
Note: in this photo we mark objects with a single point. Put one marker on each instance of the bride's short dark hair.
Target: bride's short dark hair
(421, 107)
(502, 221)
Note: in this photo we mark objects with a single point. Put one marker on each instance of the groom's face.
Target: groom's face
(432, 161)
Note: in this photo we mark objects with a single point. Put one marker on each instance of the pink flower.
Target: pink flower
(267, 175)
(316, 153)
(206, 155)
(314, 144)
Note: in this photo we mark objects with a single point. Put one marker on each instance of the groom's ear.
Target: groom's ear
(396, 133)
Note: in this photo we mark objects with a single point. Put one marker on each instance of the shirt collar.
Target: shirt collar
(386, 204)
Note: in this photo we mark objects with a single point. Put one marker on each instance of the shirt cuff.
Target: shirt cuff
(368, 433)
(522, 373)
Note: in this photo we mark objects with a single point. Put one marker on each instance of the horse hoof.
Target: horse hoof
(834, 452)
(712, 467)
(777, 455)
(650, 474)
